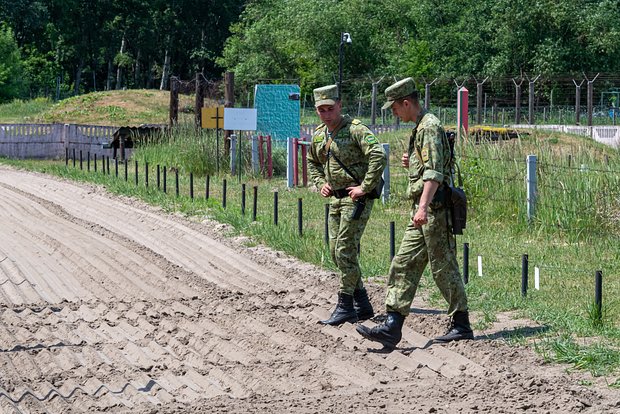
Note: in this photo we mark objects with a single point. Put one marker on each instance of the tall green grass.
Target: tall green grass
(19, 111)
(575, 231)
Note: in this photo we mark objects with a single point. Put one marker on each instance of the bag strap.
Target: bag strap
(452, 159)
(344, 167)
(331, 154)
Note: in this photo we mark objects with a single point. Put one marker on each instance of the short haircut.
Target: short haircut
(412, 97)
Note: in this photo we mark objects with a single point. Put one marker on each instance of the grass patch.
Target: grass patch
(576, 230)
(117, 108)
(598, 358)
(20, 111)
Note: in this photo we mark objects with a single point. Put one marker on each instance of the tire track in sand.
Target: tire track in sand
(176, 319)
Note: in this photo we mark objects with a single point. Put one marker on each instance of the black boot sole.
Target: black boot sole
(362, 330)
(441, 340)
(365, 316)
(352, 319)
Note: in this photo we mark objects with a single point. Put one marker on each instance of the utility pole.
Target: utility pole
(345, 38)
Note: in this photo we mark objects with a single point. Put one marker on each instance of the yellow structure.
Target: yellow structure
(213, 117)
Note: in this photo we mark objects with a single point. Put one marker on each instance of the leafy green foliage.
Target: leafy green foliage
(11, 82)
(299, 39)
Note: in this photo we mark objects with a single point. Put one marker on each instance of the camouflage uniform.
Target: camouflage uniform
(359, 150)
(434, 243)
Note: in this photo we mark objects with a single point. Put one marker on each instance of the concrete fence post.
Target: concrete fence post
(290, 164)
(255, 158)
(531, 187)
(233, 154)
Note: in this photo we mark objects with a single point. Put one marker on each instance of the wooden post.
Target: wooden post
(174, 101)
(200, 100)
(296, 162)
(269, 158)
(304, 164)
(229, 102)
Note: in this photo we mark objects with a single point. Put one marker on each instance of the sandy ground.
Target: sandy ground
(110, 305)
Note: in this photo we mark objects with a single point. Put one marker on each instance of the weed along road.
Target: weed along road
(107, 304)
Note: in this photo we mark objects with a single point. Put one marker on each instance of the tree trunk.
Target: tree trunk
(78, 77)
(149, 77)
(165, 73)
(108, 83)
(120, 69)
(94, 75)
(137, 82)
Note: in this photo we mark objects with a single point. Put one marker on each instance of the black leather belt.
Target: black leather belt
(341, 193)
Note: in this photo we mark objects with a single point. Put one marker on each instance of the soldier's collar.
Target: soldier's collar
(344, 120)
(420, 116)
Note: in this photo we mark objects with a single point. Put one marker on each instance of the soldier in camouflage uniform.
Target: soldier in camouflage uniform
(356, 147)
(428, 237)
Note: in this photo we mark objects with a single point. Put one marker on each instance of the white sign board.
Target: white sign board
(240, 119)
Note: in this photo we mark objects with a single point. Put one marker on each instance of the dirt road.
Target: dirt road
(110, 305)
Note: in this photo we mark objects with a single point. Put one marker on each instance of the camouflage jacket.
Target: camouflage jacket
(429, 154)
(356, 147)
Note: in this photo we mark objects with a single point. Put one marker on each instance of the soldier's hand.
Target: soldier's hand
(355, 192)
(405, 160)
(420, 218)
(326, 190)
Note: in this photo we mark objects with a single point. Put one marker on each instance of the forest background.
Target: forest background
(60, 48)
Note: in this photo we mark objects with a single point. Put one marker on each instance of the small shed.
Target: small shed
(128, 136)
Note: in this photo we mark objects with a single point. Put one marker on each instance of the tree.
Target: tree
(11, 66)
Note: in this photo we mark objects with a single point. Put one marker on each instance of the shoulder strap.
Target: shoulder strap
(330, 154)
(344, 167)
(333, 133)
(452, 159)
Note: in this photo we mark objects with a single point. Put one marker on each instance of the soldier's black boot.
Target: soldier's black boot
(460, 328)
(388, 334)
(344, 311)
(362, 305)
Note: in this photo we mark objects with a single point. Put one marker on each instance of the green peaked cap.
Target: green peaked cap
(326, 95)
(398, 90)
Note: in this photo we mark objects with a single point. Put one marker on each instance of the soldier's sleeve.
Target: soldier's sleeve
(375, 155)
(315, 167)
(432, 153)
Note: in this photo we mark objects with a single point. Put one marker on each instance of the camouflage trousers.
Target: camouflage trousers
(344, 238)
(433, 243)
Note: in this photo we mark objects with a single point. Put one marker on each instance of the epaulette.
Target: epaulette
(319, 127)
(356, 122)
